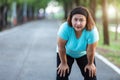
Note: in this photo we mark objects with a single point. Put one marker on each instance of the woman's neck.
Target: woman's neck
(78, 33)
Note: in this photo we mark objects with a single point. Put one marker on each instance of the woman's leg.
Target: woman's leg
(82, 62)
(70, 61)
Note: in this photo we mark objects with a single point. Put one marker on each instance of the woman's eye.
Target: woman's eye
(75, 19)
(81, 20)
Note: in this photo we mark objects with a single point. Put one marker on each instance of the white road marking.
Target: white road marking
(115, 68)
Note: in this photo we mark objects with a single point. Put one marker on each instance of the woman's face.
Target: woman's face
(78, 22)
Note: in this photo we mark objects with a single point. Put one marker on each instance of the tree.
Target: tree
(77, 2)
(117, 24)
(67, 6)
(21, 5)
(3, 14)
(93, 8)
(116, 18)
(116, 5)
(105, 22)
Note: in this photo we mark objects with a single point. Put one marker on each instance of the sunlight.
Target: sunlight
(53, 7)
(111, 10)
(54, 10)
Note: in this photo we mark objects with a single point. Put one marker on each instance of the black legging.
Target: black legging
(81, 62)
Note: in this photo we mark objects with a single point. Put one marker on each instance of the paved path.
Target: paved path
(28, 52)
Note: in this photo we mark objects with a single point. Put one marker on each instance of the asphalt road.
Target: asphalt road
(28, 52)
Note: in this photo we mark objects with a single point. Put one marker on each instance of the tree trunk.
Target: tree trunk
(1, 17)
(65, 4)
(5, 15)
(93, 8)
(25, 6)
(105, 22)
(117, 21)
(14, 14)
(77, 2)
(117, 24)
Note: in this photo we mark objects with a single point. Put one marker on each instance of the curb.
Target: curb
(111, 65)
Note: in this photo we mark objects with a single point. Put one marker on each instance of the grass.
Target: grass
(111, 52)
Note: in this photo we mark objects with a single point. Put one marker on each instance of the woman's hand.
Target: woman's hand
(91, 68)
(62, 69)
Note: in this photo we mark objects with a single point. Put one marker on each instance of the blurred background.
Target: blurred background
(106, 14)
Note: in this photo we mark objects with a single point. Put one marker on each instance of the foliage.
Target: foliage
(34, 3)
(64, 1)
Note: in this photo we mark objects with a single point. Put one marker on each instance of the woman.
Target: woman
(77, 40)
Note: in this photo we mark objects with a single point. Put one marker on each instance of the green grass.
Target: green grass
(111, 52)
(113, 57)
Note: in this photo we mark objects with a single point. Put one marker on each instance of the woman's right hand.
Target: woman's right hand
(62, 69)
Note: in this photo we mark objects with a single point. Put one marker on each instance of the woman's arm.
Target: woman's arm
(62, 50)
(91, 49)
(63, 67)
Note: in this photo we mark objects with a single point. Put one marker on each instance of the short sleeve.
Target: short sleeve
(63, 31)
(93, 36)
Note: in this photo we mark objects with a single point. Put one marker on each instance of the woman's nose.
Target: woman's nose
(78, 22)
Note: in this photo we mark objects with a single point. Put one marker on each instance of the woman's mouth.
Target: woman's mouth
(79, 27)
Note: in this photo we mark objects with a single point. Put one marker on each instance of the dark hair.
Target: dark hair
(84, 11)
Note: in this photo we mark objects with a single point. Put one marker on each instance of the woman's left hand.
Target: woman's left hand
(91, 68)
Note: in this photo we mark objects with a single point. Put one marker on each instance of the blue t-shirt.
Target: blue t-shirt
(76, 47)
